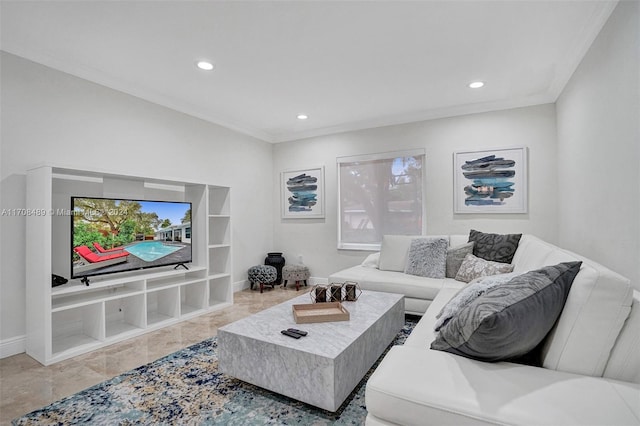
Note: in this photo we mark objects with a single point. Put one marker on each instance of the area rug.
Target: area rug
(186, 388)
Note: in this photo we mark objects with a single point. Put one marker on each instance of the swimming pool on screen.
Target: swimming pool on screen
(152, 250)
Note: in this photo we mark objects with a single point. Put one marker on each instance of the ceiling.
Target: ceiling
(347, 65)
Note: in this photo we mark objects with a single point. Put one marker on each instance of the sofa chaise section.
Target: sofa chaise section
(415, 385)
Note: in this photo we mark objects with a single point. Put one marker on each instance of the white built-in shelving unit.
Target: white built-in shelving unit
(72, 319)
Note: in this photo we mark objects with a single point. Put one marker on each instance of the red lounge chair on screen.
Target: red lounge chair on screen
(90, 260)
(104, 250)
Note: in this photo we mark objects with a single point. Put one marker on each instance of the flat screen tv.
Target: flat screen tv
(111, 235)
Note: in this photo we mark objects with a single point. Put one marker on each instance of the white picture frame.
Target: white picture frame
(302, 193)
(490, 181)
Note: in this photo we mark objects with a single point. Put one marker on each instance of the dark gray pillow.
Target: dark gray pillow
(455, 256)
(494, 247)
(511, 319)
(427, 257)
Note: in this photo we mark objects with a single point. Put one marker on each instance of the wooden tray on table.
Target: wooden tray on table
(320, 312)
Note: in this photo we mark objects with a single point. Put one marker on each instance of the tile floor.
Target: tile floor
(26, 385)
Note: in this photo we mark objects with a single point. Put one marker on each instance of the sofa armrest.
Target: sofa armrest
(422, 386)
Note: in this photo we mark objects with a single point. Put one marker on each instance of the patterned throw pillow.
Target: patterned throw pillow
(468, 294)
(494, 247)
(473, 267)
(455, 256)
(427, 257)
(510, 320)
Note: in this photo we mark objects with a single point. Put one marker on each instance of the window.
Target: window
(379, 194)
(187, 232)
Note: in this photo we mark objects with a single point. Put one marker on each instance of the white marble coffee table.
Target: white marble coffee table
(320, 369)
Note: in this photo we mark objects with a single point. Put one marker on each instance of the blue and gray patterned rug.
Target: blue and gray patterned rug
(186, 388)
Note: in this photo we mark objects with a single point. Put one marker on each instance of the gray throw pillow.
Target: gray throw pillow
(473, 267)
(427, 257)
(494, 247)
(468, 294)
(509, 320)
(455, 256)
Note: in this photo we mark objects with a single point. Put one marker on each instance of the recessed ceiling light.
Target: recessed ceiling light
(476, 84)
(204, 65)
(302, 116)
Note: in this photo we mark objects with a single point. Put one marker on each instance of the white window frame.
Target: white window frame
(373, 157)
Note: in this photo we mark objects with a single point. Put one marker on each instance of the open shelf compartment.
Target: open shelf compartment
(74, 328)
(163, 305)
(219, 230)
(219, 259)
(219, 200)
(125, 315)
(220, 290)
(193, 297)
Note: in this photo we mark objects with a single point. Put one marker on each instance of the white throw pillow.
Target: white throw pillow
(372, 261)
(393, 252)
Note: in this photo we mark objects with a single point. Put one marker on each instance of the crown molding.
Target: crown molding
(96, 76)
(425, 115)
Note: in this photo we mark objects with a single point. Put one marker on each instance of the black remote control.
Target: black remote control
(290, 334)
(295, 330)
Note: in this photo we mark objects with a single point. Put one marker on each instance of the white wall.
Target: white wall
(49, 116)
(598, 154)
(533, 127)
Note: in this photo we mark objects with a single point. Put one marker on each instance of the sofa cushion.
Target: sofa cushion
(455, 256)
(494, 247)
(414, 386)
(423, 334)
(427, 257)
(598, 305)
(624, 362)
(510, 320)
(474, 267)
(531, 254)
(393, 252)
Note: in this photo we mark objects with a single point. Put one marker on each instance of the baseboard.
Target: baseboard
(13, 346)
(240, 285)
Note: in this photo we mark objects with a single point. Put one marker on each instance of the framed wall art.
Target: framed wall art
(490, 181)
(303, 193)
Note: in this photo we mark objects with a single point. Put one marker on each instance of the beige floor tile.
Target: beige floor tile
(26, 385)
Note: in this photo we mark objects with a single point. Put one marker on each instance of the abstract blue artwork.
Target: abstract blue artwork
(302, 193)
(303, 189)
(492, 181)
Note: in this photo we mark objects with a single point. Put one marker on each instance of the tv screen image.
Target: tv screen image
(111, 235)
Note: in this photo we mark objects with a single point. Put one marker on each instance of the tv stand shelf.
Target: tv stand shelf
(74, 318)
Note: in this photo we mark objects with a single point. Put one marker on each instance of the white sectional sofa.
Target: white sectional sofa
(590, 372)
